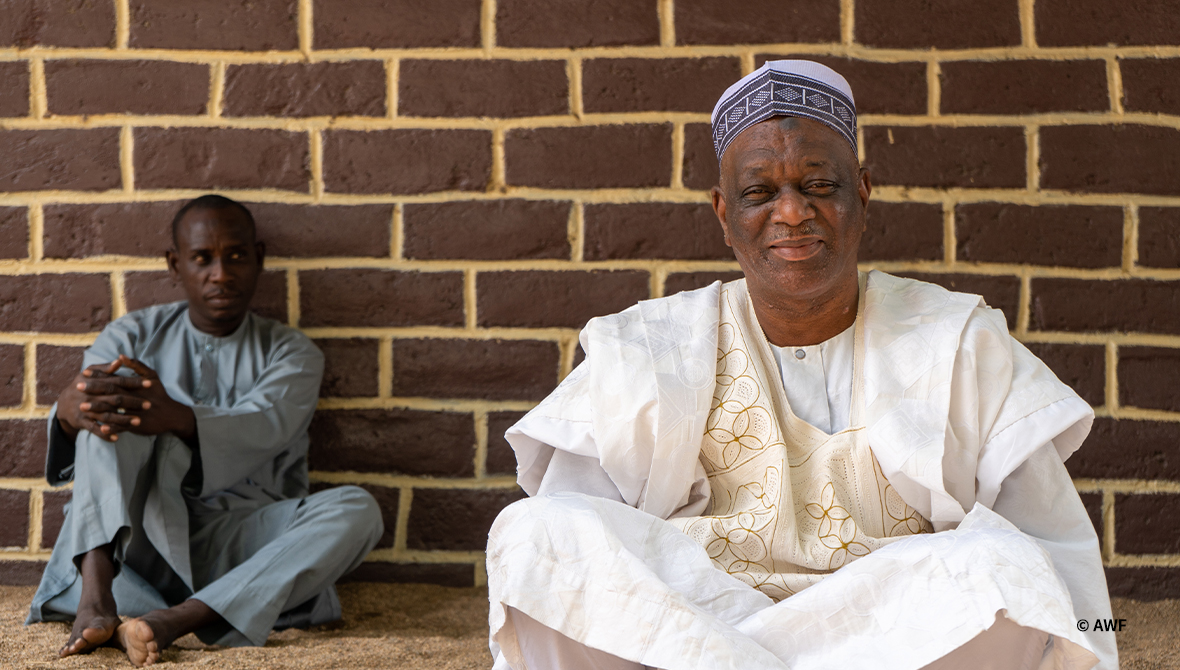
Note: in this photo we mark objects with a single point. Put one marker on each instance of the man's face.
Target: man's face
(792, 202)
(218, 262)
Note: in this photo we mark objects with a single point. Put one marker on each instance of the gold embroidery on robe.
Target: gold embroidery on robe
(782, 534)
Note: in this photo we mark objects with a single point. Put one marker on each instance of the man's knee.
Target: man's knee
(354, 506)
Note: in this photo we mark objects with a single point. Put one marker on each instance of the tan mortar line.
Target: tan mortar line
(1028, 32)
(933, 92)
(127, 158)
(28, 399)
(385, 367)
(1032, 167)
(1114, 80)
(747, 60)
(24, 414)
(470, 300)
(950, 242)
(1138, 414)
(847, 23)
(1118, 560)
(412, 556)
(1129, 485)
(577, 231)
(1024, 305)
(392, 71)
(118, 295)
(216, 89)
(55, 339)
(487, 26)
(573, 72)
(397, 234)
(315, 141)
(38, 91)
(1108, 535)
(36, 510)
(408, 482)
(567, 347)
(294, 312)
(481, 572)
(427, 404)
(678, 155)
(659, 277)
(1130, 238)
(1111, 389)
(497, 181)
(667, 17)
(404, 500)
(30, 484)
(481, 443)
(36, 232)
(306, 27)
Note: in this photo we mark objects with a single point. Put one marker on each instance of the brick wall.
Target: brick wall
(450, 189)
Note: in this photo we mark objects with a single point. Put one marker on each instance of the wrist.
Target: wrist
(66, 427)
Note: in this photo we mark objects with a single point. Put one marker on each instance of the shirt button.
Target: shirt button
(208, 347)
(800, 354)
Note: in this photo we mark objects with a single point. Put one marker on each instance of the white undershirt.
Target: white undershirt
(818, 380)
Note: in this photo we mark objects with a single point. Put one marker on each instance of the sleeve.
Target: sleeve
(235, 441)
(118, 337)
(1039, 498)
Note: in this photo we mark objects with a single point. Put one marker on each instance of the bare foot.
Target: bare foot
(93, 627)
(140, 641)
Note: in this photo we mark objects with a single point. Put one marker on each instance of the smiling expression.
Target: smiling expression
(217, 261)
(792, 202)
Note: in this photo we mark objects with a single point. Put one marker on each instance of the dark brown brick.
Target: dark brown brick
(1024, 87)
(403, 441)
(1148, 377)
(497, 88)
(407, 161)
(315, 231)
(687, 281)
(1147, 524)
(756, 22)
(350, 367)
(1159, 237)
(579, 355)
(14, 88)
(53, 515)
(1083, 22)
(488, 369)
(607, 156)
(539, 299)
(1002, 293)
(144, 289)
(700, 158)
(487, 230)
(380, 298)
(1127, 449)
(1147, 87)
(1081, 366)
(656, 84)
(221, 158)
(458, 575)
(501, 459)
(455, 519)
(392, 24)
(12, 374)
(56, 367)
(14, 508)
(654, 230)
(127, 229)
(61, 303)
(879, 88)
(1093, 504)
(1127, 305)
(576, 23)
(1110, 159)
(1060, 235)
(902, 231)
(922, 24)
(126, 87)
(21, 573)
(260, 25)
(941, 156)
(24, 448)
(354, 88)
(14, 232)
(67, 159)
(59, 23)
(1143, 584)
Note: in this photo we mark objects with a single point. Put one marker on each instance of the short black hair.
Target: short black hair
(210, 201)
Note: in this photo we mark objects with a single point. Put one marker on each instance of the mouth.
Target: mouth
(223, 300)
(799, 249)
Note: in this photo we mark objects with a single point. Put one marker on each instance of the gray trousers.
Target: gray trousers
(260, 564)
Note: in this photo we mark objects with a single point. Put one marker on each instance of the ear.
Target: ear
(864, 188)
(173, 260)
(720, 209)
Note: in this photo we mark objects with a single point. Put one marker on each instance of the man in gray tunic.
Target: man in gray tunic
(186, 438)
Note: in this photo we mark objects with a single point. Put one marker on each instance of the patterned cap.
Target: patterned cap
(785, 88)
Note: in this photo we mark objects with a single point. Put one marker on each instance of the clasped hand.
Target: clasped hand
(107, 404)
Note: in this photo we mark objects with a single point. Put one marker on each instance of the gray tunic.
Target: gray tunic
(226, 522)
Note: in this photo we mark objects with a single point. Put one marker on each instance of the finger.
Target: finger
(139, 368)
(111, 385)
(88, 424)
(103, 369)
(115, 422)
(115, 403)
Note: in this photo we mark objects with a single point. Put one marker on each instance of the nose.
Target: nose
(792, 208)
(217, 273)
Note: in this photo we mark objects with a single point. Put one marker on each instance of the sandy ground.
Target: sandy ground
(422, 626)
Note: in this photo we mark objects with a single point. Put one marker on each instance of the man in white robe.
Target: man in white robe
(807, 468)
(185, 437)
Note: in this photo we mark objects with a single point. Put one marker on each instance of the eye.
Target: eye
(757, 193)
(821, 188)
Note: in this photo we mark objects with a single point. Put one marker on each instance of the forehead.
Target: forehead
(788, 142)
(207, 227)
